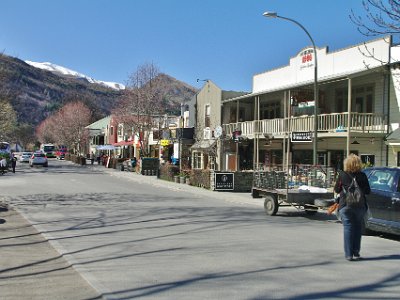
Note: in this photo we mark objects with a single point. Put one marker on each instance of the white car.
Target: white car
(25, 156)
(38, 158)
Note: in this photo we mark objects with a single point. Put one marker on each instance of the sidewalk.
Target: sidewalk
(30, 268)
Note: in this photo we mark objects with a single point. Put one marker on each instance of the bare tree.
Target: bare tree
(141, 105)
(382, 17)
(67, 127)
(45, 131)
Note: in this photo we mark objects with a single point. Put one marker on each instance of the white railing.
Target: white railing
(336, 122)
(274, 126)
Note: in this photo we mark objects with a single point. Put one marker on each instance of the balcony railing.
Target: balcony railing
(336, 122)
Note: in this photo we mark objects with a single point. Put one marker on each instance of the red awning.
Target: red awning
(123, 143)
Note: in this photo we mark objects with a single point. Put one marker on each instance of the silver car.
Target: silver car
(25, 156)
(38, 158)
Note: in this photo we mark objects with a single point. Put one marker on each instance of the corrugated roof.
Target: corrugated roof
(100, 124)
(394, 135)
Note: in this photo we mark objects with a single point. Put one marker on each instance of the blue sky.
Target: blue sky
(222, 40)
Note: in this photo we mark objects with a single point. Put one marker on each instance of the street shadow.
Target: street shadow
(115, 216)
(159, 289)
(204, 218)
(385, 257)
(153, 290)
(357, 292)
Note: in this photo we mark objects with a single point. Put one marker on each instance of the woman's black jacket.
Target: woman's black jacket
(345, 179)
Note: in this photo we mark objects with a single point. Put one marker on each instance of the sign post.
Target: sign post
(224, 181)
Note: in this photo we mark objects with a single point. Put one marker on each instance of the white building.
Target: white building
(358, 107)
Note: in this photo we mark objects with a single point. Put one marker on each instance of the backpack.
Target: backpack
(354, 196)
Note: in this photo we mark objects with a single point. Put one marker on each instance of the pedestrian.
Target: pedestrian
(352, 217)
(13, 162)
(3, 165)
(91, 158)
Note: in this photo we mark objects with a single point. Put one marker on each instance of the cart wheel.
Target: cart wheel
(271, 205)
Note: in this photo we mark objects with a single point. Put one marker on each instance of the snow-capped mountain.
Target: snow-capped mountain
(67, 72)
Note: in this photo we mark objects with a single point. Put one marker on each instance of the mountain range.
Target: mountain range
(70, 73)
(36, 90)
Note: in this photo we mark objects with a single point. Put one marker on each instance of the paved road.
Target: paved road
(132, 236)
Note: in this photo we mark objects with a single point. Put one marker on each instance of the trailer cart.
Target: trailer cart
(303, 187)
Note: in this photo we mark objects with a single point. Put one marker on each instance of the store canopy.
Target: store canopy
(393, 138)
(123, 143)
(394, 135)
(106, 147)
(204, 145)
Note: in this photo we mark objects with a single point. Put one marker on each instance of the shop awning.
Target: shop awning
(123, 143)
(394, 135)
(393, 138)
(106, 147)
(203, 145)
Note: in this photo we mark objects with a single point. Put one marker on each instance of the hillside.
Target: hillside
(36, 93)
(174, 92)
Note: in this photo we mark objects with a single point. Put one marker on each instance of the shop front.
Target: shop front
(277, 119)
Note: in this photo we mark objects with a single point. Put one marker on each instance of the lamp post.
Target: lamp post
(315, 135)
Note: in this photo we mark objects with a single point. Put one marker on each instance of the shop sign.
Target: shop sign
(164, 142)
(305, 137)
(306, 58)
(224, 181)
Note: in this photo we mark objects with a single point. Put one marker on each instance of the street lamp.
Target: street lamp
(315, 138)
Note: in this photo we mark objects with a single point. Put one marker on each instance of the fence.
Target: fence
(295, 176)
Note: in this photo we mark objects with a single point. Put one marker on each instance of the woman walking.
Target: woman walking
(352, 216)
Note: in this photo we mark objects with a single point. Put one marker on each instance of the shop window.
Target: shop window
(233, 116)
(368, 160)
(196, 160)
(362, 99)
(156, 135)
(120, 130)
(207, 115)
(270, 110)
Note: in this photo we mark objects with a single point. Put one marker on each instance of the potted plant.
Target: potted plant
(176, 178)
(182, 177)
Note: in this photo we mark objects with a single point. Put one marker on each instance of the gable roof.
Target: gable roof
(100, 124)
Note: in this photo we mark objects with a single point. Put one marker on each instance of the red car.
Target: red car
(61, 152)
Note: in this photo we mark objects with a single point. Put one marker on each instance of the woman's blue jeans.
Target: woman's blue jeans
(352, 220)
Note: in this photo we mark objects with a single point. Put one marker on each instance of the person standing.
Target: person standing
(352, 216)
(13, 162)
(3, 165)
(91, 158)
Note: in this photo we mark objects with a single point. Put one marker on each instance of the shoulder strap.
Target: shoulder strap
(352, 183)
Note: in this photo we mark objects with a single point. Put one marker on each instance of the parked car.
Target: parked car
(38, 158)
(384, 201)
(25, 156)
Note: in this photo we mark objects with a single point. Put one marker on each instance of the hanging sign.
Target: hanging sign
(304, 137)
(164, 142)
